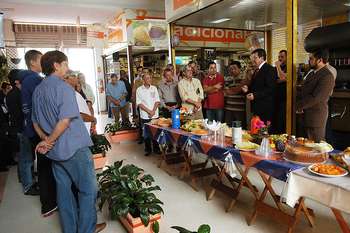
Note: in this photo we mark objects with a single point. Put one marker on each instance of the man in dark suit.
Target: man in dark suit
(313, 95)
(262, 87)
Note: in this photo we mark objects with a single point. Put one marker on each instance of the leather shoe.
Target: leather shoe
(33, 191)
(100, 226)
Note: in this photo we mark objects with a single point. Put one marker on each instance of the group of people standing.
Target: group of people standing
(47, 114)
(264, 86)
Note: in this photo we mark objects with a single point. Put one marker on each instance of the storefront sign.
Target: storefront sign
(217, 37)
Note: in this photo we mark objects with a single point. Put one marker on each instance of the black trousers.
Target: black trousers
(5, 151)
(46, 180)
(149, 141)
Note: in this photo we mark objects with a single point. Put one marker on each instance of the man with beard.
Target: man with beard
(313, 95)
(281, 92)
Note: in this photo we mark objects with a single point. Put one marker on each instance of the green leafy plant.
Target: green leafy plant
(117, 126)
(127, 189)
(113, 127)
(101, 144)
(201, 229)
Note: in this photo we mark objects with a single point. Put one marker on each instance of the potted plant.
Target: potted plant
(121, 132)
(129, 195)
(99, 149)
(201, 229)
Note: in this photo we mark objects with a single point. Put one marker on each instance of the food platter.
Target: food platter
(200, 132)
(247, 146)
(321, 170)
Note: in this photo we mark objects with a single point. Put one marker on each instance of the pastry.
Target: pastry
(302, 154)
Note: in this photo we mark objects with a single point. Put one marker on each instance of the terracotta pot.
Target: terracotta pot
(99, 160)
(124, 135)
(135, 225)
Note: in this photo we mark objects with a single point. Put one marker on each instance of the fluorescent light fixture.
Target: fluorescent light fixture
(265, 25)
(220, 20)
(347, 4)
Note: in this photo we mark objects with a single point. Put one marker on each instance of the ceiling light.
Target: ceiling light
(220, 20)
(347, 4)
(265, 25)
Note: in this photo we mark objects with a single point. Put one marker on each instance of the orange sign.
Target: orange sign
(186, 33)
(181, 3)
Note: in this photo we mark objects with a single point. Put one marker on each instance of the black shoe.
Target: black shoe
(12, 163)
(4, 169)
(148, 153)
(46, 212)
(32, 191)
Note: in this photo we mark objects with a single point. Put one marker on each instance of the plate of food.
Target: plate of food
(247, 146)
(164, 122)
(200, 132)
(327, 170)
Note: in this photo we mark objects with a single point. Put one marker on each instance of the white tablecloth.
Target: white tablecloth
(332, 192)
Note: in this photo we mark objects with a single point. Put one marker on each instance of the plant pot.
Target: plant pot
(135, 225)
(124, 135)
(99, 160)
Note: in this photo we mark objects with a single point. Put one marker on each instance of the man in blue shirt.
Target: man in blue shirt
(65, 140)
(30, 80)
(116, 96)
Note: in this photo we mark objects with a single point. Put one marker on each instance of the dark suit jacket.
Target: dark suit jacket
(313, 96)
(263, 87)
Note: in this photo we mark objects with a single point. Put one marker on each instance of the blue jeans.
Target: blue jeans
(78, 170)
(25, 162)
(215, 114)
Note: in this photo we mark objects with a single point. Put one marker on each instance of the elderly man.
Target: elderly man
(313, 95)
(191, 93)
(168, 93)
(116, 95)
(86, 88)
(147, 99)
(213, 86)
(66, 142)
(235, 74)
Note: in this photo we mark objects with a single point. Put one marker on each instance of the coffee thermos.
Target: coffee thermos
(236, 132)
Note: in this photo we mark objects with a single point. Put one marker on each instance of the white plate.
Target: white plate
(325, 175)
(296, 162)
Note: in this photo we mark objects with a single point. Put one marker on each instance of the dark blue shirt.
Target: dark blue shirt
(30, 80)
(54, 100)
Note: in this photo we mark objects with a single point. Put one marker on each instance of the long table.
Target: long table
(268, 168)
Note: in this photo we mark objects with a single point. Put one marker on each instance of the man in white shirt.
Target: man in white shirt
(147, 100)
(85, 113)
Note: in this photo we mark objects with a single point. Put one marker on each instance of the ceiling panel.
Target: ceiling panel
(248, 14)
(66, 11)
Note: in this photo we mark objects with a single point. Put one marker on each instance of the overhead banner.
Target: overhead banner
(96, 36)
(116, 29)
(175, 9)
(148, 33)
(188, 36)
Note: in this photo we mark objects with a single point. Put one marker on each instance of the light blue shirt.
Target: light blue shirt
(54, 100)
(117, 91)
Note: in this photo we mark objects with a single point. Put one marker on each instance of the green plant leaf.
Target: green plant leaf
(144, 219)
(182, 230)
(155, 227)
(204, 228)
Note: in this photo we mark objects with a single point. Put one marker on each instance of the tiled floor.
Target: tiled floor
(182, 205)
